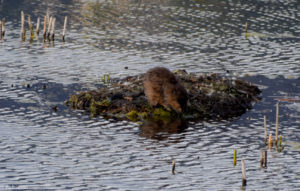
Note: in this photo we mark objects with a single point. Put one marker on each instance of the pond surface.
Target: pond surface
(62, 149)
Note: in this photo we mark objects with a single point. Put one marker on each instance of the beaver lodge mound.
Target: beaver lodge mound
(211, 96)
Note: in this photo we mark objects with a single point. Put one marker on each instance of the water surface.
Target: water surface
(63, 149)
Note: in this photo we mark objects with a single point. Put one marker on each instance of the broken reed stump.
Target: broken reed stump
(45, 28)
(23, 30)
(65, 28)
(265, 126)
(234, 157)
(265, 158)
(276, 124)
(49, 28)
(270, 141)
(38, 26)
(53, 29)
(173, 167)
(244, 180)
(30, 28)
(261, 159)
(2, 26)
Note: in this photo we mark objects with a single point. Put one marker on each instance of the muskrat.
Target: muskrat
(161, 87)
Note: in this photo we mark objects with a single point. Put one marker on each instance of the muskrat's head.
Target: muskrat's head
(176, 97)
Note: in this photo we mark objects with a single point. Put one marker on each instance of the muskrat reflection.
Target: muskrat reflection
(159, 129)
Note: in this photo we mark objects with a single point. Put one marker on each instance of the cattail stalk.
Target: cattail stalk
(65, 28)
(244, 180)
(38, 26)
(277, 121)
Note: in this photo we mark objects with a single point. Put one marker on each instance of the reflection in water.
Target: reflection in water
(160, 129)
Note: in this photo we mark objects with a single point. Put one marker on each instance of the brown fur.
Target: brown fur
(162, 87)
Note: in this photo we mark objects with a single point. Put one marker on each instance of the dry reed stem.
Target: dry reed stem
(265, 158)
(173, 167)
(23, 30)
(277, 121)
(2, 28)
(265, 126)
(244, 180)
(53, 28)
(65, 28)
(45, 28)
(261, 159)
(38, 26)
(234, 157)
(49, 27)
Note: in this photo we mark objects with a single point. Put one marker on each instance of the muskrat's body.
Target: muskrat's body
(161, 87)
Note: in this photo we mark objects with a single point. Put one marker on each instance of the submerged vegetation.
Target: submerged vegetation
(210, 97)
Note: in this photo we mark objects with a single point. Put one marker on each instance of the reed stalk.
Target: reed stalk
(244, 180)
(53, 29)
(265, 158)
(234, 157)
(277, 121)
(38, 26)
(49, 27)
(65, 28)
(2, 28)
(261, 159)
(173, 167)
(23, 30)
(45, 28)
(270, 141)
(246, 27)
(279, 142)
(265, 126)
(30, 27)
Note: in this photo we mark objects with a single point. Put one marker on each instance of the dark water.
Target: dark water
(42, 148)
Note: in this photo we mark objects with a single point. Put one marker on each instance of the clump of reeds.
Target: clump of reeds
(48, 27)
